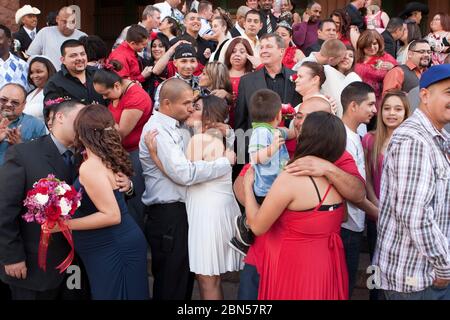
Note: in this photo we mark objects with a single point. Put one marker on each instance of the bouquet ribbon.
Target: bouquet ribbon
(45, 240)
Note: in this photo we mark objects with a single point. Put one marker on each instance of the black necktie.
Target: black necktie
(68, 160)
(67, 157)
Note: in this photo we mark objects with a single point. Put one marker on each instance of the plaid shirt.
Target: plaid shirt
(414, 223)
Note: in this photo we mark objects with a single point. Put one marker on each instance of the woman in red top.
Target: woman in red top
(131, 108)
(342, 21)
(292, 54)
(238, 64)
(372, 63)
(301, 251)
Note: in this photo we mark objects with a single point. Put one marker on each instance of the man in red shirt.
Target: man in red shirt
(126, 54)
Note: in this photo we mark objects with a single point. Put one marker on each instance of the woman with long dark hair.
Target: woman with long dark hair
(238, 65)
(301, 251)
(40, 70)
(395, 109)
(110, 244)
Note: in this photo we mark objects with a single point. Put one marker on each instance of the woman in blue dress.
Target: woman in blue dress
(109, 242)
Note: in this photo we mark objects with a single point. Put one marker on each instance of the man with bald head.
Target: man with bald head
(15, 126)
(48, 41)
(166, 182)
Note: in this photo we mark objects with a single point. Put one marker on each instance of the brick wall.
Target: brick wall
(8, 10)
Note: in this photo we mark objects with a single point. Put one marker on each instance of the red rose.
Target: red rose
(53, 212)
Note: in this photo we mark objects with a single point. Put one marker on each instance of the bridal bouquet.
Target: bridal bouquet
(50, 203)
(287, 111)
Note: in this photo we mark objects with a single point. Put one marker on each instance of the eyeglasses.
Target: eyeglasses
(14, 103)
(422, 51)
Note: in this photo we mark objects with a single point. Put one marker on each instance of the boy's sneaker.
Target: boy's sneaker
(238, 246)
(243, 232)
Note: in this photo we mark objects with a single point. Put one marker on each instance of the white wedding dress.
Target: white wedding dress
(211, 208)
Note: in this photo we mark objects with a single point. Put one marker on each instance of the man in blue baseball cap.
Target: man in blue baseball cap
(412, 251)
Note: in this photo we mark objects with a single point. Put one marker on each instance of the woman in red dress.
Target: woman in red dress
(372, 63)
(238, 65)
(301, 251)
(131, 108)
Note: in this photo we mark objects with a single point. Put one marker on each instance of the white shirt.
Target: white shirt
(48, 42)
(356, 217)
(34, 105)
(166, 11)
(206, 28)
(239, 29)
(171, 186)
(28, 31)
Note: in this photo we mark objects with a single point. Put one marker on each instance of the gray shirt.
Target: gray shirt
(171, 144)
(48, 43)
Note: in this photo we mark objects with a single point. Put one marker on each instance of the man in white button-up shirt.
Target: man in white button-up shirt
(168, 8)
(166, 184)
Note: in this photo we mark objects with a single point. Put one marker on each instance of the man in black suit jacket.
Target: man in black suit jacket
(238, 29)
(272, 76)
(394, 31)
(24, 165)
(26, 17)
(266, 15)
(356, 17)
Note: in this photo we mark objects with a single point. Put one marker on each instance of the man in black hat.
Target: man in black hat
(185, 62)
(414, 11)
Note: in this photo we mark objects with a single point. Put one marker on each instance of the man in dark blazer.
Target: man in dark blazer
(24, 165)
(354, 11)
(394, 31)
(265, 10)
(26, 17)
(238, 29)
(272, 76)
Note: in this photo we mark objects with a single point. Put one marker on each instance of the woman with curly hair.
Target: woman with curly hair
(109, 242)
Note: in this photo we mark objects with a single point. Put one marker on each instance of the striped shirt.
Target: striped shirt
(414, 224)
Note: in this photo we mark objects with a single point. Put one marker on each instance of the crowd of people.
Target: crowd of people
(266, 145)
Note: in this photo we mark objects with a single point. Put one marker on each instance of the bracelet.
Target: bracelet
(131, 190)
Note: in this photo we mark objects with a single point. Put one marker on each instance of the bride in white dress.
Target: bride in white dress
(211, 206)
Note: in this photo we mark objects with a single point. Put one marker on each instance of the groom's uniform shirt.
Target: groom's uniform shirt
(180, 173)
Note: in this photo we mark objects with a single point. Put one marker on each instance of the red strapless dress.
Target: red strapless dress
(302, 257)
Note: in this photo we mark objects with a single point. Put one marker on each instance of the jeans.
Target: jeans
(352, 246)
(249, 283)
(430, 293)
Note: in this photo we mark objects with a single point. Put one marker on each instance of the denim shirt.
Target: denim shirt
(30, 128)
(266, 173)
